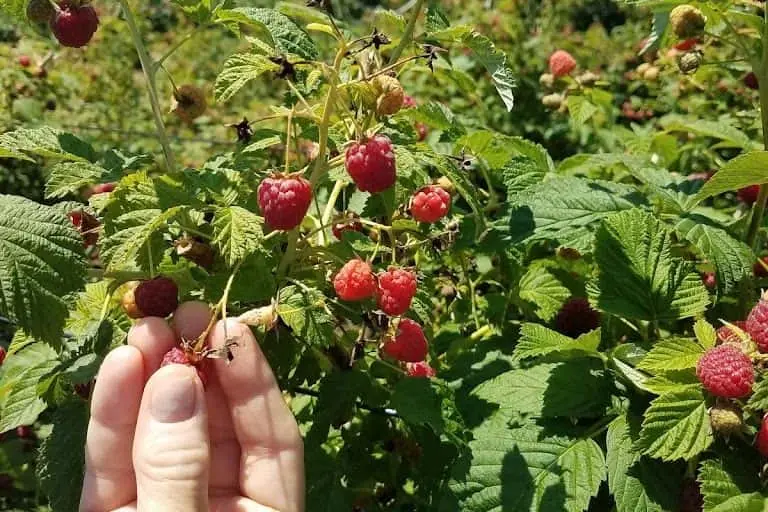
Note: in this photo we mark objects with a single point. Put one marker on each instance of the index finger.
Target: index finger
(272, 451)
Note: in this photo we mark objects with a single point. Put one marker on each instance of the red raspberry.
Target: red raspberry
(409, 102)
(757, 323)
(709, 280)
(24, 61)
(561, 63)
(74, 25)
(409, 344)
(430, 204)
(748, 194)
(577, 317)
(355, 281)
(759, 269)
(762, 437)
(371, 164)
(420, 369)
(725, 371)
(397, 287)
(102, 188)
(2, 355)
(87, 225)
(421, 128)
(750, 80)
(284, 200)
(686, 45)
(727, 335)
(24, 432)
(177, 356)
(155, 297)
(691, 499)
(348, 223)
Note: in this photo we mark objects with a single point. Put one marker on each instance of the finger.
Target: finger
(191, 319)
(272, 459)
(237, 504)
(153, 337)
(225, 449)
(109, 479)
(171, 452)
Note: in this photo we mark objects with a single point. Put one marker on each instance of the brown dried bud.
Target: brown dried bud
(189, 102)
(389, 95)
(195, 251)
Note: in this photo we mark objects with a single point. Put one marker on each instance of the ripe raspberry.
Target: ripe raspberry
(74, 25)
(284, 200)
(725, 371)
(726, 418)
(154, 297)
(748, 194)
(409, 344)
(757, 323)
(355, 281)
(750, 80)
(102, 188)
(691, 499)
(726, 334)
(709, 280)
(87, 225)
(2, 355)
(349, 222)
(40, 11)
(577, 317)
(430, 204)
(561, 63)
(24, 61)
(687, 21)
(687, 45)
(189, 102)
(371, 164)
(178, 356)
(762, 437)
(84, 390)
(759, 268)
(420, 369)
(397, 287)
(24, 432)
(409, 102)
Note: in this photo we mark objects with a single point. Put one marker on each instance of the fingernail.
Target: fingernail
(174, 394)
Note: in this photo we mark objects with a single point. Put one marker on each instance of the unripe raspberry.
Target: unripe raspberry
(726, 334)
(748, 194)
(189, 102)
(757, 323)
(396, 289)
(355, 281)
(687, 21)
(762, 437)
(74, 25)
(371, 164)
(390, 95)
(284, 200)
(561, 63)
(409, 344)
(40, 11)
(689, 62)
(430, 204)
(725, 371)
(588, 79)
(178, 356)
(446, 184)
(421, 369)
(726, 418)
(154, 297)
(547, 80)
(751, 81)
(553, 101)
(651, 74)
(576, 317)
(24, 61)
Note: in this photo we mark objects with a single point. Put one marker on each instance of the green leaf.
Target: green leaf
(527, 469)
(417, 402)
(638, 277)
(671, 382)
(744, 170)
(562, 207)
(495, 62)
(672, 354)
(19, 400)
(61, 460)
(729, 484)
(537, 340)
(676, 426)
(519, 175)
(581, 109)
(41, 262)
(731, 258)
(122, 249)
(237, 233)
(543, 289)
(69, 177)
(305, 312)
(758, 401)
(45, 142)
(238, 71)
(280, 32)
(637, 483)
(14, 8)
(731, 136)
(706, 334)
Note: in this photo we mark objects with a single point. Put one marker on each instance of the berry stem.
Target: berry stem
(337, 188)
(408, 34)
(149, 74)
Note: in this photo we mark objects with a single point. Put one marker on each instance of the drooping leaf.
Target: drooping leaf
(743, 171)
(238, 71)
(45, 142)
(279, 31)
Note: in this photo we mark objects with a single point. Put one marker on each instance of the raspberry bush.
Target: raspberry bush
(478, 292)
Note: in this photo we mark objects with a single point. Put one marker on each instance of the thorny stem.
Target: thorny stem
(408, 34)
(149, 74)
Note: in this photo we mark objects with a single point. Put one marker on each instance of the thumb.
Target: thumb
(170, 449)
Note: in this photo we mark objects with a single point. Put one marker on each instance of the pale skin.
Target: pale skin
(159, 441)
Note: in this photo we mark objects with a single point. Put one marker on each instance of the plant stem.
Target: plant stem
(148, 65)
(758, 210)
(408, 34)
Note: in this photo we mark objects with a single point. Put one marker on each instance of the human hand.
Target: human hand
(158, 441)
